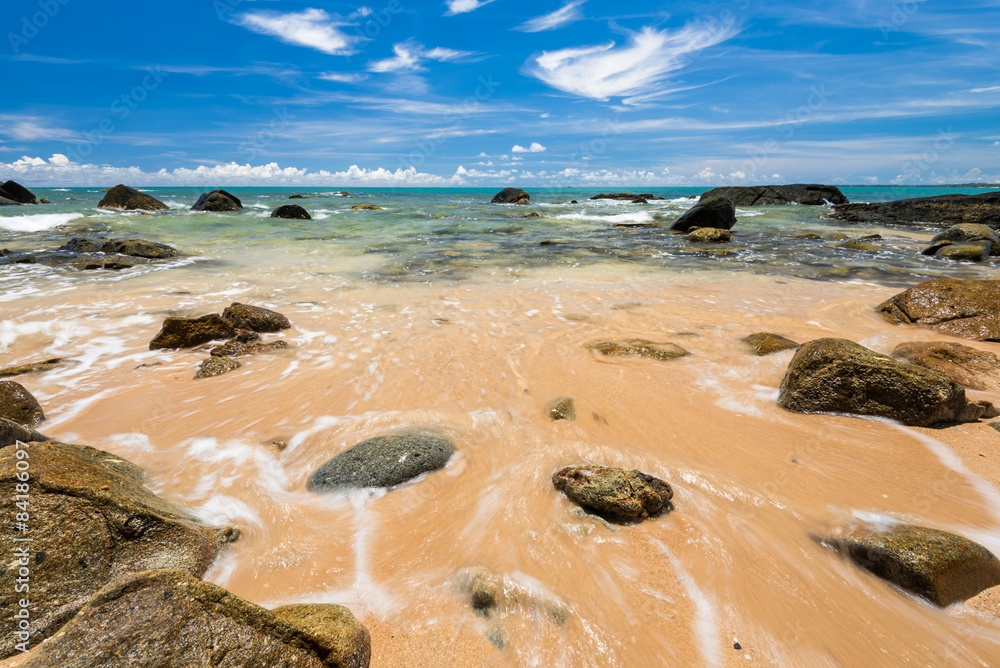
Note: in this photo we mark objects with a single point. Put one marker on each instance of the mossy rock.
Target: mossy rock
(639, 348)
(615, 493)
(19, 405)
(190, 332)
(766, 343)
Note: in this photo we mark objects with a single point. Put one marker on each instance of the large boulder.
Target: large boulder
(18, 405)
(92, 521)
(936, 565)
(190, 332)
(15, 192)
(255, 318)
(943, 210)
(968, 233)
(717, 212)
(511, 196)
(840, 376)
(797, 193)
(123, 197)
(170, 618)
(131, 247)
(973, 368)
(967, 309)
(11, 432)
(217, 200)
(384, 461)
(291, 212)
(639, 348)
(615, 493)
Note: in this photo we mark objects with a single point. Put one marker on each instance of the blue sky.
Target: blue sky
(466, 92)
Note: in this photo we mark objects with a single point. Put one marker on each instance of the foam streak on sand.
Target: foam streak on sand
(37, 222)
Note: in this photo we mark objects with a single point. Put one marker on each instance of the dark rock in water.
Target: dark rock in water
(857, 244)
(255, 318)
(11, 432)
(14, 191)
(629, 196)
(718, 213)
(366, 207)
(945, 210)
(123, 197)
(80, 245)
(976, 251)
(533, 214)
(639, 348)
(29, 368)
(766, 343)
(840, 376)
(218, 200)
(8, 202)
(969, 233)
(616, 493)
(216, 365)
(967, 309)
(18, 405)
(291, 211)
(384, 461)
(496, 594)
(563, 408)
(936, 565)
(190, 332)
(140, 248)
(709, 235)
(799, 193)
(45, 200)
(511, 196)
(93, 521)
(297, 196)
(170, 618)
(973, 368)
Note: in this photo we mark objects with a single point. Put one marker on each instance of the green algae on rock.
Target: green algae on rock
(613, 492)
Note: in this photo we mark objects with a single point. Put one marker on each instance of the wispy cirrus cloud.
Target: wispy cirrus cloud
(410, 55)
(609, 70)
(565, 15)
(33, 128)
(343, 77)
(464, 6)
(311, 28)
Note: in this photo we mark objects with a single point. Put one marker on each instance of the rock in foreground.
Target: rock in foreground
(798, 193)
(716, 212)
(169, 618)
(384, 461)
(967, 309)
(11, 432)
(939, 566)
(840, 376)
(123, 197)
(18, 405)
(766, 343)
(971, 367)
(511, 196)
(190, 332)
(944, 210)
(255, 318)
(616, 493)
(218, 201)
(639, 348)
(291, 212)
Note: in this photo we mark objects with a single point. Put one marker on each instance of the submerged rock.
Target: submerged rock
(255, 318)
(494, 594)
(218, 200)
(291, 211)
(709, 235)
(967, 309)
(639, 348)
(170, 618)
(969, 233)
(563, 408)
(130, 247)
(983, 208)
(384, 461)
(716, 212)
(18, 405)
(936, 565)
(840, 376)
(93, 521)
(236, 348)
(366, 207)
(797, 193)
(190, 332)
(766, 343)
(34, 367)
(973, 368)
(857, 244)
(216, 365)
(15, 192)
(613, 492)
(123, 197)
(511, 196)
(11, 432)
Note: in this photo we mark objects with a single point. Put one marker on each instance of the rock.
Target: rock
(563, 408)
(234, 348)
(140, 248)
(936, 565)
(297, 196)
(495, 594)
(766, 343)
(718, 213)
(944, 210)
(971, 252)
(216, 365)
(629, 196)
(969, 233)
(639, 348)
(840, 376)
(34, 367)
(92, 522)
(709, 235)
(615, 493)
(190, 332)
(123, 197)
(8, 202)
(511, 196)
(18, 405)
(856, 244)
(255, 318)
(45, 200)
(799, 193)
(170, 618)
(533, 214)
(640, 200)
(384, 461)
(11, 432)
(971, 367)
(291, 211)
(366, 207)
(967, 309)
(218, 200)
(14, 191)
(81, 245)
(807, 235)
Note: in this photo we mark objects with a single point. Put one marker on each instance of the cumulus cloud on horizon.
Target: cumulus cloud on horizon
(565, 15)
(312, 28)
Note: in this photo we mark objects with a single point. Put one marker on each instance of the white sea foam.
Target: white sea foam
(632, 217)
(37, 222)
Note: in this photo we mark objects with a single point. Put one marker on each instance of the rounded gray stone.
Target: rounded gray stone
(384, 461)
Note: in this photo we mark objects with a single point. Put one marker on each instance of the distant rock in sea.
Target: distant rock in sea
(631, 197)
(943, 210)
(15, 192)
(123, 197)
(291, 211)
(511, 196)
(798, 193)
(218, 201)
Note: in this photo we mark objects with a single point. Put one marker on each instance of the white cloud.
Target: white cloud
(33, 128)
(312, 28)
(607, 70)
(565, 15)
(463, 6)
(343, 77)
(534, 148)
(410, 54)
